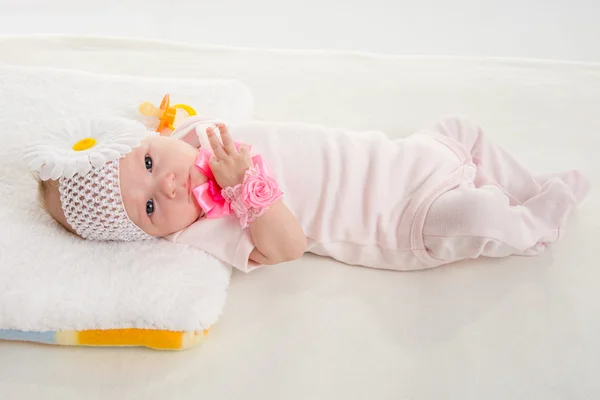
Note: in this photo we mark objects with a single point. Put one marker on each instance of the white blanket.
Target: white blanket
(51, 280)
(517, 328)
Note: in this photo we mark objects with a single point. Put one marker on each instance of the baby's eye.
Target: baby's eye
(148, 161)
(150, 207)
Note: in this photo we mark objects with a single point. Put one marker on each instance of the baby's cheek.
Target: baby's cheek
(180, 216)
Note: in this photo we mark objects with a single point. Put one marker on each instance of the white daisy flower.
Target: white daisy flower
(83, 144)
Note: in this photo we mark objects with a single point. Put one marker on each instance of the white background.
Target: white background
(551, 29)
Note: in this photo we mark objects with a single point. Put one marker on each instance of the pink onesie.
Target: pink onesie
(435, 197)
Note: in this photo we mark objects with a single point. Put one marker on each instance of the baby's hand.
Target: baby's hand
(228, 165)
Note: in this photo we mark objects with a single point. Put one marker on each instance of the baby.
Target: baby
(441, 195)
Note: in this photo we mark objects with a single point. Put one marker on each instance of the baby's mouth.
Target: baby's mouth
(190, 188)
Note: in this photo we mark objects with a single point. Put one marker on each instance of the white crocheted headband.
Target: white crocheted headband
(84, 156)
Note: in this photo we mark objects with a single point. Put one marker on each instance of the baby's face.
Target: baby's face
(157, 179)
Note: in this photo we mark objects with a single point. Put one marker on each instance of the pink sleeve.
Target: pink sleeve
(221, 238)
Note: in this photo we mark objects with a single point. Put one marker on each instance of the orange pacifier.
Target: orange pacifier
(166, 113)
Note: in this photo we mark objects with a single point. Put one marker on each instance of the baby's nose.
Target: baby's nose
(168, 185)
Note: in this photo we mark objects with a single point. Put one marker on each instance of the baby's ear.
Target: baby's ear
(52, 204)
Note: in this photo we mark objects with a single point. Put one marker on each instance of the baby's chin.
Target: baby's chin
(178, 224)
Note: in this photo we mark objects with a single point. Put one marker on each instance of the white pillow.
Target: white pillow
(51, 280)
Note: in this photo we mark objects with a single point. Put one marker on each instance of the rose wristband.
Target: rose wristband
(252, 198)
(261, 192)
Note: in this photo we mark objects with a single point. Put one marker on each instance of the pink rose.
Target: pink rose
(260, 191)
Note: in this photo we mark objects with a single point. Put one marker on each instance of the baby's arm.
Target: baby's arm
(277, 235)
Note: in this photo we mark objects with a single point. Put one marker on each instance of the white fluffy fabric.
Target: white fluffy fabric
(52, 280)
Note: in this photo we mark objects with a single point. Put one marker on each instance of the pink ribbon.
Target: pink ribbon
(208, 195)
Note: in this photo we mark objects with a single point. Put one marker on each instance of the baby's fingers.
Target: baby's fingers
(244, 149)
(227, 140)
(215, 143)
(244, 152)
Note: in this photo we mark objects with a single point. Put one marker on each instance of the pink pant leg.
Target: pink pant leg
(496, 167)
(469, 222)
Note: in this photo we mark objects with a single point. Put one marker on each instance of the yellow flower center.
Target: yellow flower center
(84, 144)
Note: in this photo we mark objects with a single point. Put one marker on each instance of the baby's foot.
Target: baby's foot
(536, 250)
(577, 182)
(555, 203)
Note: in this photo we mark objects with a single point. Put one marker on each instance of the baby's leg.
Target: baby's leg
(496, 167)
(469, 222)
